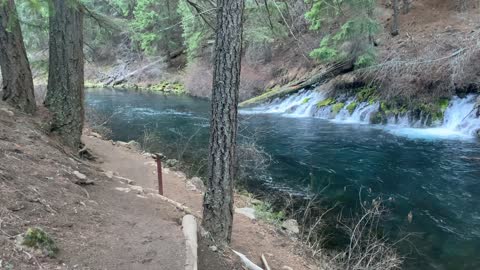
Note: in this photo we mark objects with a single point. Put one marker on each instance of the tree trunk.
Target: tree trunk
(218, 201)
(16, 73)
(395, 31)
(65, 76)
(406, 6)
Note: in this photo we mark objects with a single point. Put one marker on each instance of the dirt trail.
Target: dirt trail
(252, 238)
(94, 226)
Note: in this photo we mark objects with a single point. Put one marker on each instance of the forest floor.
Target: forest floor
(100, 222)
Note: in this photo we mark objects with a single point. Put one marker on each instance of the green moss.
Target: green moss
(306, 100)
(164, 87)
(91, 84)
(443, 103)
(367, 94)
(337, 107)
(265, 212)
(325, 102)
(384, 107)
(351, 107)
(38, 239)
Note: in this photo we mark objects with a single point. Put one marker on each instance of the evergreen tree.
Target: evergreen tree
(65, 91)
(16, 73)
(353, 38)
(218, 201)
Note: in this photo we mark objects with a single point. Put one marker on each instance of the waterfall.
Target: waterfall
(460, 118)
(461, 115)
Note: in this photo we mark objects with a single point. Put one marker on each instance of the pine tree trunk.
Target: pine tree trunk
(16, 73)
(65, 93)
(395, 30)
(218, 201)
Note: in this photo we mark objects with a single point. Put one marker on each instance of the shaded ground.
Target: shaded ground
(94, 226)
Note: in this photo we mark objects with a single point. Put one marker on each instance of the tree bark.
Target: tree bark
(16, 72)
(406, 6)
(218, 201)
(395, 30)
(65, 92)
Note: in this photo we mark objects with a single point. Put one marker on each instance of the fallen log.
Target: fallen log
(332, 71)
(125, 77)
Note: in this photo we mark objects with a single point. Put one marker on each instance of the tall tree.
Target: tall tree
(65, 93)
(394, 31)
(16, 73)
(218, 201)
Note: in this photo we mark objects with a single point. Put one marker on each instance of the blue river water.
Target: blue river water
(437, 178)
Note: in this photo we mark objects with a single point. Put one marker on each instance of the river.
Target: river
(434, 173)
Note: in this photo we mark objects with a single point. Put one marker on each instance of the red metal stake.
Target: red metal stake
(158, 158)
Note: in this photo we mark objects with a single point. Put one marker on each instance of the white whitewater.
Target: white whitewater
(460, 119)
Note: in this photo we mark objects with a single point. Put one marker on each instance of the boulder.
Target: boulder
(198, 183)
(80, 175)
(291, 226)
(108, 174)
(7, 112)
(248, 212)
(134, 145)
(171, 163)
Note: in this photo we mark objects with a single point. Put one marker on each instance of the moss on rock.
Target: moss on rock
(325, 102)
(351, 107)
(337, 107)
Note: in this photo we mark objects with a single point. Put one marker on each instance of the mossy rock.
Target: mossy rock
(351, 107)
(378, 118)
(305, 100)
(337, 107)
(325, 102)
(38, 239)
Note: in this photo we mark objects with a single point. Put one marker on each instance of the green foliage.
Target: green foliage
(305, 100)
(263, 22)
(195, 31)
(325, 102)
(354, 36)
(337, 107)
(152, 25)
(265, 212)
(38, 239)
(33, 15)
(351, 107)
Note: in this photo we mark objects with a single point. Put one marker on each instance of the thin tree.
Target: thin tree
(218, 201)
(16, 72)
(394, 31)
(65, 92)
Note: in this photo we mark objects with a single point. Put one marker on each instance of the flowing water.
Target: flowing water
(433, 172)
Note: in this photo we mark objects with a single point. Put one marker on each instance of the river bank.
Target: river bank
(308, 155)
(97, 219)
(252, 237)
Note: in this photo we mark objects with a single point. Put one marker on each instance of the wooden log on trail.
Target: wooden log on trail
(189, 225)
